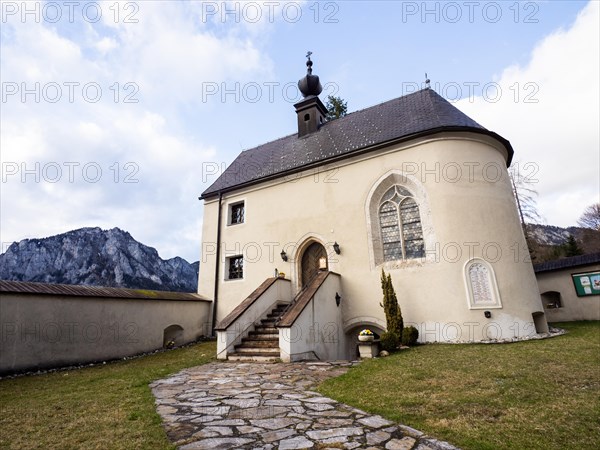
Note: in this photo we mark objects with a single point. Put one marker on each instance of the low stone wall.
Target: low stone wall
(44, 326)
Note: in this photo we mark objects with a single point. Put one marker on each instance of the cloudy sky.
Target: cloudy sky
(119, 114)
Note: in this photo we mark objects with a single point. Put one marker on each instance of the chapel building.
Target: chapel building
(297, 231)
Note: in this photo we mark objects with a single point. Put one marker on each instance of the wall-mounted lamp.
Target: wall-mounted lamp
(487, 314)
(338, 299)
(284, 255)
(336, 248)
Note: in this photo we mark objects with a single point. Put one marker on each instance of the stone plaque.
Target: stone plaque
(479, 278)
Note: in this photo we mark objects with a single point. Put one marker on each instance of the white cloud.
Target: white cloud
(159, 141)
(131, 165)
(106, 44)
(549, 110)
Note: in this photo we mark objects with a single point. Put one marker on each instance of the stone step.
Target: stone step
(254, 357)
(256, 350)
(267, 322)
(254, 335)
(260, 329)
(261, 338)
(262, 343)
(259, 344)
(266, 351)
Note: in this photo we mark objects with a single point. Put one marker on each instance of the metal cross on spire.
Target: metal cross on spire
(309, 63)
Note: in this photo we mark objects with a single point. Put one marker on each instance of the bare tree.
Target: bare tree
(526, 198)
(590, 217)
(590, 222)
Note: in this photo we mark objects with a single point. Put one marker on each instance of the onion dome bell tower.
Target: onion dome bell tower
(310, 110)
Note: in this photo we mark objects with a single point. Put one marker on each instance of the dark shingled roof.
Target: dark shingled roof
(26, 287)
(565, 263)
(418, 114)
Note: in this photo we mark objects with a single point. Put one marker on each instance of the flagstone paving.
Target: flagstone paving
(227, 405)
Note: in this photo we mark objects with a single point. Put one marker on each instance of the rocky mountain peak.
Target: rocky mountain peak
(95, 257)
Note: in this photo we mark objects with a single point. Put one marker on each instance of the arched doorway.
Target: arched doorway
(311, 262)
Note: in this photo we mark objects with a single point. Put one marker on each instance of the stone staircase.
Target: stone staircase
(262, 343)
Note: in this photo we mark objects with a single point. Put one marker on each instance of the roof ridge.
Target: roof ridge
(437, 116)
(287, 136)
(376, 105)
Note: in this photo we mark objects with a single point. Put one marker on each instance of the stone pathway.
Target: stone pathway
(226, 405)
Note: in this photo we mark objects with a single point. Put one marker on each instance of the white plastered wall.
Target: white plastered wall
(467, 209)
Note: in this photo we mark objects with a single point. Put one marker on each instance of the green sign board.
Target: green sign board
(587, 283)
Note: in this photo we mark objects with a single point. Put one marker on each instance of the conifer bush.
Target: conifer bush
(409, 336)
(389, 341)
(393, 313)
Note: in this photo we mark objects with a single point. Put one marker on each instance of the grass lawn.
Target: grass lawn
(101, 407)
(528, 395)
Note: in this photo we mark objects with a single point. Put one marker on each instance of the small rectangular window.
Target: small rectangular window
(235, 267)
(236, 213)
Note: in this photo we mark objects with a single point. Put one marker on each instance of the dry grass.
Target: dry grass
(529, 395)
(101, 407)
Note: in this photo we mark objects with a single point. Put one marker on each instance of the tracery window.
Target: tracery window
(400, 225)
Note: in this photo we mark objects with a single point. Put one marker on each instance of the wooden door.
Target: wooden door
(310, 261)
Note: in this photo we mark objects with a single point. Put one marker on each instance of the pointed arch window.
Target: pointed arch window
(400, 225)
